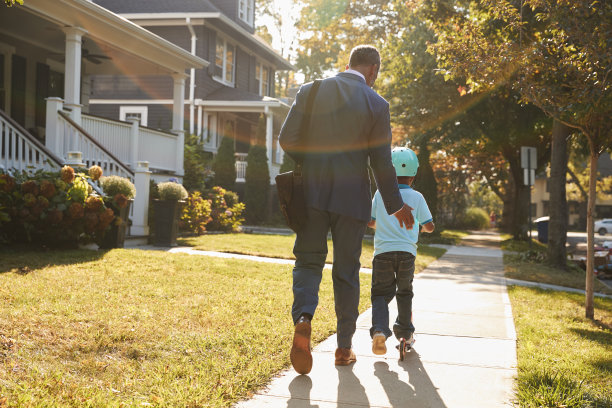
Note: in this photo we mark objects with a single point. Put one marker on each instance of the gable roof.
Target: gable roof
(142, 11)
(158, 6)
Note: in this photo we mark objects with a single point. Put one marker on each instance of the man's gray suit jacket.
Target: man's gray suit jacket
(350, 123)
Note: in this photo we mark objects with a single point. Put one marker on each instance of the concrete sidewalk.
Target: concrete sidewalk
(465, 354)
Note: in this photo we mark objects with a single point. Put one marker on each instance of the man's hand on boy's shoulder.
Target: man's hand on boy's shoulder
(405, 217)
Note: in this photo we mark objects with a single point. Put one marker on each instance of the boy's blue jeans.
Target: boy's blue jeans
(392, 276)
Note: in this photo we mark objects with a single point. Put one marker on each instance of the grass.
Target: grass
(281, 246)
(564, 359)
(529, 265)
(132, 328)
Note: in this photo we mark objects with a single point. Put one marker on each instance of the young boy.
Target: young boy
(395, 250)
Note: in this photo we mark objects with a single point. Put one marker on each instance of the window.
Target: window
(225, 60)
(262, 79)
(245, 11)
(134, 112)
(2, 86)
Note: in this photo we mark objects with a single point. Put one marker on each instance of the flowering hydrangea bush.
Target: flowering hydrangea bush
(52, 208)
(226, 210)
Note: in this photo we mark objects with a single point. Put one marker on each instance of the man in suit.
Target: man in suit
(350, 125)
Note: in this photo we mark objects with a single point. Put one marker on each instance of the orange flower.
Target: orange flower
(47, 189)
(95, 172)
(76, 211)
(93, 203)
(30, 187)
(91, 221)
(121, 200)
(7, 183)
(67, 174)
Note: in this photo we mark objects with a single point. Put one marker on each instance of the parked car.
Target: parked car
(604, 226)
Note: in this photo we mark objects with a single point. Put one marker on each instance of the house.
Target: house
(49, 53)
(225, 98)
(540, 200)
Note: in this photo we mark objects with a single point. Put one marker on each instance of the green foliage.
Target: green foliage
(198, 173)
(224, 164)
(426, 182)
(475, 218)
(288, 164)
(11, 3)
(257, 184)
(113, 185)
(196, 214)
(171, 191)
(547, 389)
(226, 214)
(481, 196)
(52, 208)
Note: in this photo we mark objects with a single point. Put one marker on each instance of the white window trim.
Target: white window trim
(243, 7)
(142, 110)
(224, 71)
(261, 66)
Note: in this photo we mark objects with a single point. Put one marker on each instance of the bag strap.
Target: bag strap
(305, 125)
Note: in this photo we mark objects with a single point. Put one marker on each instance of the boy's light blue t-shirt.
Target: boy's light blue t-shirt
(389, 235)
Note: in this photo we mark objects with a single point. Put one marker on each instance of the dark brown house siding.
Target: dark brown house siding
(230, 9)
(124, 87)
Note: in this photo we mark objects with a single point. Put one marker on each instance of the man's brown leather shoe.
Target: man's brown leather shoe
(301, 358)
(345, 356)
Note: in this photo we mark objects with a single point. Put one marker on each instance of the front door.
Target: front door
(18, 89)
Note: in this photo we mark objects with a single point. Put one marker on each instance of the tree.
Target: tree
(257, 178)
(556, 54)
(197, 165)
(557, 228)
(224, 164)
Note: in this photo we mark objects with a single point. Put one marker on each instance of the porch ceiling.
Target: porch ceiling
(130, 50)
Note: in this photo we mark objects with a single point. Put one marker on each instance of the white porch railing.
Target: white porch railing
(241, 165)
(132, 143)
(21, 151)
(113, 135)
(75, 138)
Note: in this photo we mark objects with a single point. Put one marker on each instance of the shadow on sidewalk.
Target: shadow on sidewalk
(417, 391)
(300, 385)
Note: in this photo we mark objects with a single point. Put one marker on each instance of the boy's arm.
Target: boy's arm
(372, 224)
(428, 227)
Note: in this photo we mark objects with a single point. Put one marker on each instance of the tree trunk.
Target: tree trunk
(557, 227)
(590, 276)
(425, 181)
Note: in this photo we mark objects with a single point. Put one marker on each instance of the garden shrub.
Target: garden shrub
(171, 191)
(52, 208)
(224, 164)
(113, 185)
(257, 185)
(197, 164)
(196, 214)
(475, 218)
(225, 217)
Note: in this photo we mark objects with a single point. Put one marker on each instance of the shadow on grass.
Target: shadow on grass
(23, 260)
(598, 336)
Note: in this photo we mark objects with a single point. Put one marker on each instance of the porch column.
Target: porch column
(140, 219)
(199, 122)
(54, 137)
(72, 73)
(206, 128)
(178, 119)
(269, 135)
(134, 134)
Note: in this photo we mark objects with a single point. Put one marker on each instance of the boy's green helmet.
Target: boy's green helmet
(405, 161)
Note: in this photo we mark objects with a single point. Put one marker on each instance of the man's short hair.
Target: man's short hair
(364, 55)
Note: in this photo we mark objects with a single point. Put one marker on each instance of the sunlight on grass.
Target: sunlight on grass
(131, 327)
(563, 358)
(281, 246)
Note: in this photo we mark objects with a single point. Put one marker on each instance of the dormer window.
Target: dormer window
(246, 11)
(225, 58)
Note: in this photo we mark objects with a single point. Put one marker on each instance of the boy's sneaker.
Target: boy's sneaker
(378, 343)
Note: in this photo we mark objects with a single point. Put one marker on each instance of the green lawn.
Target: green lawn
(133, 328)
(281, 246)
(564, 359)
